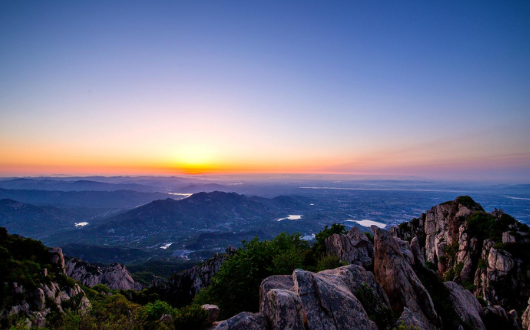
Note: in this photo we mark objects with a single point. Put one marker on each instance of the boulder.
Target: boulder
(354, 247)
(328, 303)
(284, 282)
(355, 277)
(395, 274)
(466, 305)
(309, 301)
(213, 313)
(57, 258)
(244, 321)
(284, 310)
(412, 320)
(416, 251)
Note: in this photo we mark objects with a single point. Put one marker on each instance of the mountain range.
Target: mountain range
(121, 199)
(172, 220)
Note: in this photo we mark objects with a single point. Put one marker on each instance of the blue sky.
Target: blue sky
(363, 87)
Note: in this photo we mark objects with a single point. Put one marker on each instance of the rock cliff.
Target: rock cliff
(488, 253)
(115, 276)
(482, 257)
(35, 299)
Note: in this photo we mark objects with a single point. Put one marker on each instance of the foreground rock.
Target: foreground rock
(353, 248)
(395, 274)
(34, 304)
(115, 276)
(308, 300)
(466, 305)
(244, 321)
(213, 313)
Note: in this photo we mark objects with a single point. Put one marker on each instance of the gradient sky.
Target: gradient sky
(423, 88)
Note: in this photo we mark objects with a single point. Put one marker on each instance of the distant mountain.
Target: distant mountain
(33, 221)
(69, 185)
(122, 199)
(206, 212)
(203, 210)
(203, 187)
(104, 254)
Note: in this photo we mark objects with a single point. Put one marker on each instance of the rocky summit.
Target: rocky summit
(115, 276)
(454, 267)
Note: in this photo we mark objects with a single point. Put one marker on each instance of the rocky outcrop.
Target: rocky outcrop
(114, 276)
(403, 287)
(213, 313)
(279, 282)
(244, 321)
(483, 251)
(283, 309)
(183, 286)
(353, 248)
(36, 303)
(57, 258)
(466, 305)
(328, 303)
(456, 240)
(307, 301)
(357, 278)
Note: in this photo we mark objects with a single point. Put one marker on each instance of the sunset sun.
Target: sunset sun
(195, 159)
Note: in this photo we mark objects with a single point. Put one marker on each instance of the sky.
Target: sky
(412, 88)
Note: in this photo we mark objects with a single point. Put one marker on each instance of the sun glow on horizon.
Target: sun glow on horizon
(195, 159)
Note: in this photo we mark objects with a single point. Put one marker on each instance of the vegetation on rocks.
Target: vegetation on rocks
(235, 288)
(374, 307)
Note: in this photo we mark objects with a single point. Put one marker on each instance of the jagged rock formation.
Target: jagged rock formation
(456, 241)
(183, 286)
(395, 274)
(115, 276)
(485, 252)
(36, 301)
(466, 305)
(354, 247)
(307, 300)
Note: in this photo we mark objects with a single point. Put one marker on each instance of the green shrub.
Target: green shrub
(287, 261)
(440, 296)
(154, 311)
(370, 236)
(328, 262)
(485, 226)
(101, 288)
(431, 265)
(402, 326)
(375, 308)
(467, 202)
(191, 317)
(235, 288)
(452, 249)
